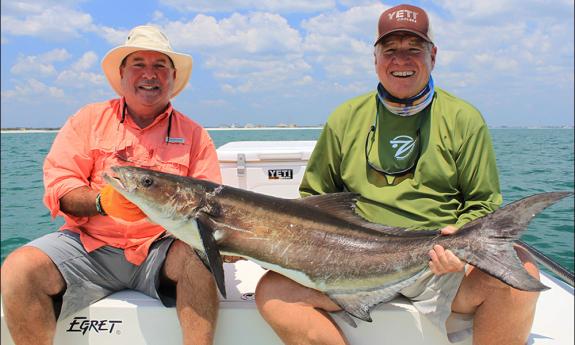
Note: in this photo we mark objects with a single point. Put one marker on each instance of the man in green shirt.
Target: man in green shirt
(420, 158)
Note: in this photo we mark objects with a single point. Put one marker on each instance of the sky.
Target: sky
(287, 61)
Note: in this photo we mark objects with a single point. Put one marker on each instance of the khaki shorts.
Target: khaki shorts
(92, 276)
(433, 295)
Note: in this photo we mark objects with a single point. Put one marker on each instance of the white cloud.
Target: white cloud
(262, 51)
(214, 102)
(78, 74)
(261, 5)
(80, 79)
(113, 36)
(359, 22)
(55, 23)
(244, 75)
(504, 41)
(31, 89)
(30, 66)
(497, 63)
(56, 55)
(41, 65)
(248, 53)
(261, 33)
(498, 11)
(85, 62)
(341, 44)
(23, 7)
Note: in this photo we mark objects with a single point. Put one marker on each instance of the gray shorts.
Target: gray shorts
(433, 295)
(92, 276)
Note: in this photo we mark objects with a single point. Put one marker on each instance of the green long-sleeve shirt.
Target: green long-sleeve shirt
(454, 182)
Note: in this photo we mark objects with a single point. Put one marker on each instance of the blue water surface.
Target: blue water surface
(530, 161)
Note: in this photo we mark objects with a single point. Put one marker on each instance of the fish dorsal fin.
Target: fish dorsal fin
(360, 303)
(339, 204)
(342, 205)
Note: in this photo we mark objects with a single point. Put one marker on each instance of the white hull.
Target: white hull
(138, 319)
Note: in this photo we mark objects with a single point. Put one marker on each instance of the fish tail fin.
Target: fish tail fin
(513, 219)
(495, 254)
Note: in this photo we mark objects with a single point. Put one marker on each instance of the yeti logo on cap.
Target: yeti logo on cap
(403, 15)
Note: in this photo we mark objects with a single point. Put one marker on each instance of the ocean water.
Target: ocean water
(529, 160)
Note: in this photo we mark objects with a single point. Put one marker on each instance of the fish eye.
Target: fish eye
(147, 181)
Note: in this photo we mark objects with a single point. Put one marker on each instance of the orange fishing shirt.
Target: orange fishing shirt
(94, 139)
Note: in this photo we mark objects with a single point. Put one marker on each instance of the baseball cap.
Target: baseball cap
(404, 18)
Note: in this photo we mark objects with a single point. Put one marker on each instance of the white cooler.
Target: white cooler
(268, 167)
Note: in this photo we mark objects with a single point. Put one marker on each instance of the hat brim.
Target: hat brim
(427, 39)
(111, 67)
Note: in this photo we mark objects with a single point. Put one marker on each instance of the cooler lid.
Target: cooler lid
(256, 151)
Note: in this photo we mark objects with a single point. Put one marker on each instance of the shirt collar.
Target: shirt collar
(128, 119)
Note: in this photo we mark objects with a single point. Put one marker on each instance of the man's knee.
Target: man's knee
(273, 286)
(29, 267)
(268, 289)
(182, 261)
(527, 261)
(478, 286)
(268, 285)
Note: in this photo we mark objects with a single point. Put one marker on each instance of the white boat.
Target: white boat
(276, 168)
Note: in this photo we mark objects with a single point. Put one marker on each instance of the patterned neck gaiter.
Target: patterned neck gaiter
(409, 106)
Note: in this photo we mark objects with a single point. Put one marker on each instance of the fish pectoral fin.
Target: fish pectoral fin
(352, 305)
(359, 303)
(212, 253)
(345, 317)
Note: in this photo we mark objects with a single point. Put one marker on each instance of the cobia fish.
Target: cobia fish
(320, 241)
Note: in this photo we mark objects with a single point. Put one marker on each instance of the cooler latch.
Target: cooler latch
(241, 164)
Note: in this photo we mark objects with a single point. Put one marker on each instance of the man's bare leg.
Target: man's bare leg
(503, 315)
(197, 298)
(291, 310)
(29, 281)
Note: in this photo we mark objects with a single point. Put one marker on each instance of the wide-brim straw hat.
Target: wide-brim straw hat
(146, 37)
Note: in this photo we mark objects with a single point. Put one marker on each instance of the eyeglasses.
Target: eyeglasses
(391, 172)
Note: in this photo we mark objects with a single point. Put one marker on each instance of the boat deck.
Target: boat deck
(129, 317)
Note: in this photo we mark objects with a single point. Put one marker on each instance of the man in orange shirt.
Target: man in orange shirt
(106, 243)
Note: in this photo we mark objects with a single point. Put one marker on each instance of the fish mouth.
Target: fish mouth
(116, 181)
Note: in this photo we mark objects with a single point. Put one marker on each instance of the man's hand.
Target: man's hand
(444, 261)
(231, 259)
(115, 205)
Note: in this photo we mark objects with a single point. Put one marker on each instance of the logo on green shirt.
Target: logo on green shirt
(404, 145)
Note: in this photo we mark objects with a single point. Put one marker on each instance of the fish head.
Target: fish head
(159, 195)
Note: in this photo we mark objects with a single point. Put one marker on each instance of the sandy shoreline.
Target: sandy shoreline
(4, 131)
(29, 131)
(208, 128)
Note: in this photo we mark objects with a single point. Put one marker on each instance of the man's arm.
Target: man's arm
(322, 173)
(67, 168)
(204, 163)
(79, 202)
(478, 176)
(479, 182)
